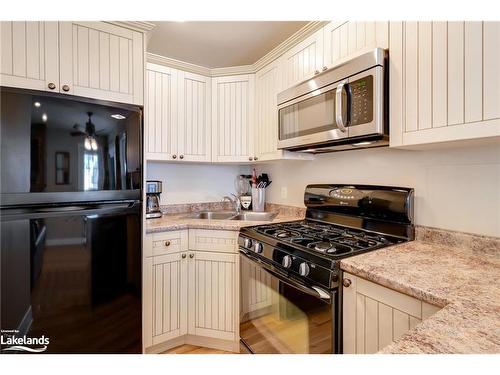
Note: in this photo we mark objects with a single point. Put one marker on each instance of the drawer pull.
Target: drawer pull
(191, 255)
(167, 243)
(183, 256)
(346, 282)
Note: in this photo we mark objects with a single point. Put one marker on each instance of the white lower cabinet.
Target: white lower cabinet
(213, 298)
(165, 298)
(374, 316)
(192, 295)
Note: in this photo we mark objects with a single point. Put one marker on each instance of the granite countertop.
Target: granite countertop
(171, 222)
(458, 272)
(178, 218)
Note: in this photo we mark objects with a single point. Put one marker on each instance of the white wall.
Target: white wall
(193, 183)
(455, 188)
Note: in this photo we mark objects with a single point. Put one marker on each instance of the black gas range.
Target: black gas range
(299, 261)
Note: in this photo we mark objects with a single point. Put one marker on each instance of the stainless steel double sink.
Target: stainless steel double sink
(233, 215)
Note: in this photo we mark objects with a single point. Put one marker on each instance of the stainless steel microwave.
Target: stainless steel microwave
(343, 108)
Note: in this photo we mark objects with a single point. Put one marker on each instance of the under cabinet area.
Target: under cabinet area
(96, 60)
(374, 315)
(191, 292)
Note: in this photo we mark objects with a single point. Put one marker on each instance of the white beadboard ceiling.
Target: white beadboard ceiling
(215, 44)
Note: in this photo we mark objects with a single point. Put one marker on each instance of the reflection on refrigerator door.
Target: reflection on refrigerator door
(75, 279)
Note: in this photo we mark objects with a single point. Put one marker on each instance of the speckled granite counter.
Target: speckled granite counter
(459, 272)
(177, 221)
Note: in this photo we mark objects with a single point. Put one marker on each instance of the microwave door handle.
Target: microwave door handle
(339, 114)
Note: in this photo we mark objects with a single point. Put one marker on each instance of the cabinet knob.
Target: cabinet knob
(174, 156)
(65, 88)
(250, 158)
(346, 283)
(325, 68)
(255, 158)
(191, 255)
(167, 243)
(51, 85)
(316, 72)
(181, 156)
(183, 256)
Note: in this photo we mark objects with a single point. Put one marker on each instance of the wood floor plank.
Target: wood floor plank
(192, 349)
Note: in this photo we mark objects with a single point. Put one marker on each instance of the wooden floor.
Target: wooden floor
(191, 349)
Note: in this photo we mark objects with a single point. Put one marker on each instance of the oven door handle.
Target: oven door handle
(313, 290)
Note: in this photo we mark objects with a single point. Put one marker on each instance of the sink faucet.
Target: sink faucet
(235, 201)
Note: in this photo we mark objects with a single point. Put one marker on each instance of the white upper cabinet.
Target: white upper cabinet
(93, 59)
(102, 61)
(444, 81)
(303, 60)
(233, 118)
(193, 131)
(29, 55)
(177, 115)
(160, 115)
(343, 40)
(268, 85)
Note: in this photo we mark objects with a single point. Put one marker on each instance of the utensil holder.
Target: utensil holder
(258, 199)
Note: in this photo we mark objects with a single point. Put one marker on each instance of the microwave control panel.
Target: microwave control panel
(361, 100)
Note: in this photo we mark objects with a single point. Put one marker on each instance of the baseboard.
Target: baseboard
(164, 346)
(206, 342)
(212, 343)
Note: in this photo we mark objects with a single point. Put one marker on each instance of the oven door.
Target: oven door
(281, 315)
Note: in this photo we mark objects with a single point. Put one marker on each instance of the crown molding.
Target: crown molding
(142, 26)
(178, 64)
(301, 34)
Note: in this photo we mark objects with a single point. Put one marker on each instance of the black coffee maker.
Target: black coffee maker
(153, 191)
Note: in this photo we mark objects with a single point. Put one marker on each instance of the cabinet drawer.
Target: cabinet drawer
(165, 243)
(213, 240)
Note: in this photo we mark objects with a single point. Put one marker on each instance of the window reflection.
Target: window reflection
(90, 171)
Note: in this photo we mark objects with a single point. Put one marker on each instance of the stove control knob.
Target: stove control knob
(257, 247)
(247, 242)
(303, 269)
(286, 261)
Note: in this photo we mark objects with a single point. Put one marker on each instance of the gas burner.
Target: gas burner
(330, 248)
(286, 234)
(303, 241)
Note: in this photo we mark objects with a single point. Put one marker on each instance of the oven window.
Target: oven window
(313, 115)
(278, 318)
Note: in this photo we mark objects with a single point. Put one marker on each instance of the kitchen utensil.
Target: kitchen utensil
(258, 199)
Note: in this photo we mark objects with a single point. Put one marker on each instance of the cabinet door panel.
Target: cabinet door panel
(301, 61)
(111, 71)
(213, 295)
(491, 79)
(161, 113)
(374, 316)
(193, 129)
(267, 88)
(445, 81)
(343, 40)
(29, 57)
(165, 298)
(233, 118)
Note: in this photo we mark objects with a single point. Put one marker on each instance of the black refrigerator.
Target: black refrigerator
(71, 224)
